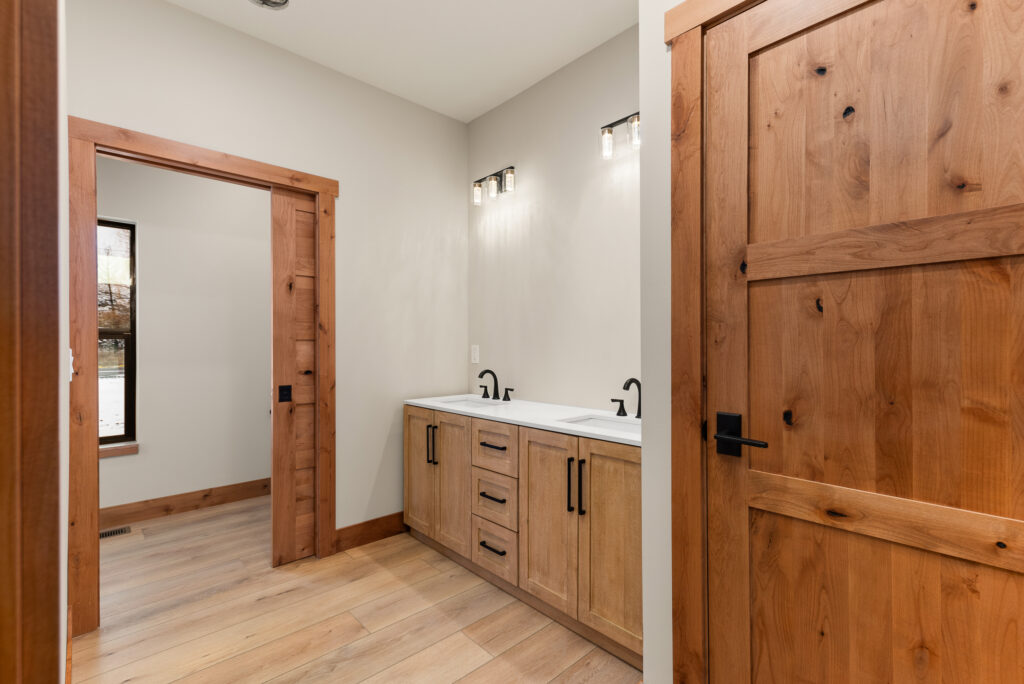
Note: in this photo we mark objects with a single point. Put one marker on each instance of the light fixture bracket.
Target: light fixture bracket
(500, 173)
(619, 122)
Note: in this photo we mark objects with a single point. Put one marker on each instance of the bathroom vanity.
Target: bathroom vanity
(540, 499)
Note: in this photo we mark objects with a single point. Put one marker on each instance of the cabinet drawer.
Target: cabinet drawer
(496, 447)
(495, 549)
(496, 498)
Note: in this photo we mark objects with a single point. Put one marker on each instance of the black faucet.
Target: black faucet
(630, 383)
(494, 395)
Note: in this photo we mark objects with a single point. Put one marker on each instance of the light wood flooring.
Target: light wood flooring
(192, 597)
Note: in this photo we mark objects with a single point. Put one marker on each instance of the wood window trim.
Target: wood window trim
(119, 449)
(86, 140)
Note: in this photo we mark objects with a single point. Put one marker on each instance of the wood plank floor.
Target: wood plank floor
(192, 598)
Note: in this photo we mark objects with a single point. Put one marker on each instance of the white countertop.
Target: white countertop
(571, 420)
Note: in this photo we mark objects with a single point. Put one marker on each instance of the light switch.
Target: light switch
(474, 353)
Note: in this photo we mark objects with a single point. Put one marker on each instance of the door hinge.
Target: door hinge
(704, 430)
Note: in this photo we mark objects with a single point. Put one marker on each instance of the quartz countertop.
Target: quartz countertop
(571, 420)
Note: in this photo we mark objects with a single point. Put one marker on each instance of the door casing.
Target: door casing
(86, 140)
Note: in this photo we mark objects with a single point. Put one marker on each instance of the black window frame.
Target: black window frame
(130, 370)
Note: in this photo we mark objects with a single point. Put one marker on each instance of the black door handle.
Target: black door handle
(433, 443)
(428, 444)
(494, 446)
(579, 486)
(568, 485)
(729, 435)
(493, 498)
(492, 549)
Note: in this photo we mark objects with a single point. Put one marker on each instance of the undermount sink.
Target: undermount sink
(631, 425)
(471, 403)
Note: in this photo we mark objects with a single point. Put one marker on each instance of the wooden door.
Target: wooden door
(419, 470)
(610, 578)
(865, 315)
(293, 236)
(452, 460)
(548, 523)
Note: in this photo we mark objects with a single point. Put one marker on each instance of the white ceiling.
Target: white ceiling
(457, 57)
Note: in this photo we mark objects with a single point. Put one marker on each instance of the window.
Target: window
(115, 275)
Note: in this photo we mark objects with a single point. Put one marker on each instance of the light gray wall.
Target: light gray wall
(554, 297)
(401, 217)
(656, 292)
(203, 341)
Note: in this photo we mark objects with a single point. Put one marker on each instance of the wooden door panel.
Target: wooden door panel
(610, 569)
(294, 419)
(864, 313)
(548, 522)
(896, 110)
(419, 470)
(454, 481)
(859, 609)
(900, 375)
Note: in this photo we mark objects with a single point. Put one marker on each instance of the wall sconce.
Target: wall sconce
(500, 182)
(608, 134)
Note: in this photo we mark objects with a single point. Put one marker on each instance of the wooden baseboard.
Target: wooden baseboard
(589, 633)
(369, 531)
(115, 516)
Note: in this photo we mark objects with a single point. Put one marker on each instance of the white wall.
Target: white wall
(554, 297)
(656, 300)
(203, 321)
(153, 67)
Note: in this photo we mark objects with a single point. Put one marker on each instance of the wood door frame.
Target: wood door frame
(685, 25)
(86, 140)
(30, 613)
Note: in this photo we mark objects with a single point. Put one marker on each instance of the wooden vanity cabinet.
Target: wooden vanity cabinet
(579, 531)
(438, 477)
(610, 581)
(555, 515)
(548, 524)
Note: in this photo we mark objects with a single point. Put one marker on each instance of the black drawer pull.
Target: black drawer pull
(579, 487)
(568, 485)
(492, 549)
(494, 446)
(493, 498)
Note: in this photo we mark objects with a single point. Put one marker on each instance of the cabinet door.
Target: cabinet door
(452, 457)
(420, 495)
(610, 598)
(548, 526)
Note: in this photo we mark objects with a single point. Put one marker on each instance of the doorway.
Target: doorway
(302, 393)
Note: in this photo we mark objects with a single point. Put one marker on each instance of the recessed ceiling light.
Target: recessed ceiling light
(271, 4)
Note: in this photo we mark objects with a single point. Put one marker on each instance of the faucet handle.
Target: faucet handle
(507, 390)
(486, 395)
(622, 407)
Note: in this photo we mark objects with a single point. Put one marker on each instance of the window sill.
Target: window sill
(119, 449)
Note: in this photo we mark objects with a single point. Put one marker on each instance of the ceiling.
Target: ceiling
(458, 57)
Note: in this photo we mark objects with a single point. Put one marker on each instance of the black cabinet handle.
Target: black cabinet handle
(492, 549)
(579, 487)
(494, 446)
(428, 444)
(493, 498)
(433, 443)
(568, 485)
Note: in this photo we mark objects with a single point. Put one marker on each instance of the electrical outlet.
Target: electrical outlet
(474, 353)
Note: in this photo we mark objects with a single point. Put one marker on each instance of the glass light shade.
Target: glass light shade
(478, 193)
(492, 186)
(508, 180)
(634, 129)
(607, 142)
